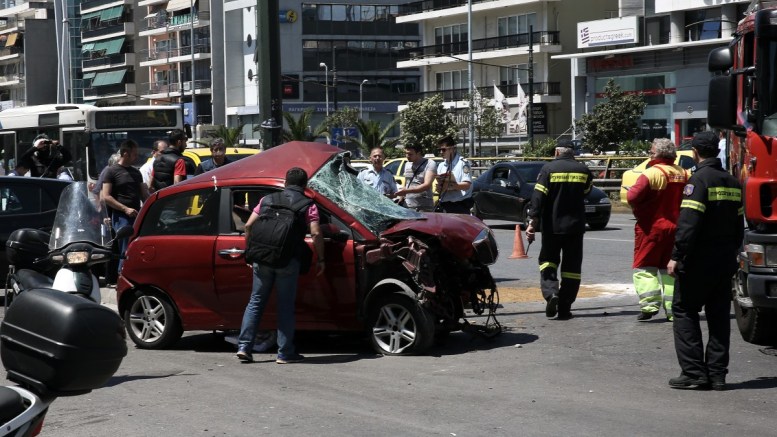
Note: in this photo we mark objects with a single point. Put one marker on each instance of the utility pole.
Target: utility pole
(530, 115)
(471, 126)
(269, 66)
(334, 77)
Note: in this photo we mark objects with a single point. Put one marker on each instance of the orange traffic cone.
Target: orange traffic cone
(518, 251)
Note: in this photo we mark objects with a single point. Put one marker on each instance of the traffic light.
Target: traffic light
(290, 86)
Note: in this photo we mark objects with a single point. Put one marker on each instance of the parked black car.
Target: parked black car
(504, 191)
(26, 202)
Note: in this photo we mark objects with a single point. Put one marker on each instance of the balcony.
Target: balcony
(11, 23)
(10, 51)
(119, 29)
(178, 54)
(486, 92)
(118, 89)
(162, 20)
(166, 88)
(114, 60)
(419, 11)
(480, 45)
(91, 4)
(11, 79)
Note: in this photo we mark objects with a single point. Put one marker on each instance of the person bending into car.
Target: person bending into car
(218, 153)
(169, 166)
(123, 191)
(655, 201)
(454, 183)
(558, 206)
(45, 157)
(419, 179)
(283, 278)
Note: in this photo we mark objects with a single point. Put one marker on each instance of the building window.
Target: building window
(657, 30)
(452, 80)
(516, 24)
(702, 24)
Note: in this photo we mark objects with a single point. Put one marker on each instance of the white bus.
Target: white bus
(91, 133)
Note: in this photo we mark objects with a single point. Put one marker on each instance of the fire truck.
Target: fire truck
(743, 101)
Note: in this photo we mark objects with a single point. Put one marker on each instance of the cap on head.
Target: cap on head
(706, 143)
(41, 137)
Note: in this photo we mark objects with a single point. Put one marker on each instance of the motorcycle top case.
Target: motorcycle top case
(60, 344)
(26, 245)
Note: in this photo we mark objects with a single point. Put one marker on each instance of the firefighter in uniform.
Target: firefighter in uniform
(655, 201)
(557, 205)
(704, 259)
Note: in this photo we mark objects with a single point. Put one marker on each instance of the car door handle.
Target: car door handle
(232, 253)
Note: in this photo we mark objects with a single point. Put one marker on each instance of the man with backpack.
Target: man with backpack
(276, 248)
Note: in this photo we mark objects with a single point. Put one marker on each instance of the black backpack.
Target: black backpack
(278, 233)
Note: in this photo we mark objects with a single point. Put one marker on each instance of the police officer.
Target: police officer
(170, 166)
(454, 183)
(557, 204)
(704, 258)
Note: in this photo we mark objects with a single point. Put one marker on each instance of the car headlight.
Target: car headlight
(485, 247)
(79, 257)
(761, 255)
(604, 200)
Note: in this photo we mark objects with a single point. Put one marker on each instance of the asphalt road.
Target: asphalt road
(599, 374)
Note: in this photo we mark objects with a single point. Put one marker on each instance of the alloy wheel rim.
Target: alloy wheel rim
(395, 330)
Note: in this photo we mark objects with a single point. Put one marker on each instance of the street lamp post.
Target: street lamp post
(361, 100)
(326, 85)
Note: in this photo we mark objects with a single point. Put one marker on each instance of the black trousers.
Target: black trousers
(550, 259)
(460, 207)
(694, 290)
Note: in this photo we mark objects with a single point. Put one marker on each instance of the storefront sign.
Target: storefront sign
(607, 32)
(539, 120)
(603, 63)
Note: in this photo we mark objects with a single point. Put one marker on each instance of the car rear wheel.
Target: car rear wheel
(597, 226)
(400, 326)
(151, 320)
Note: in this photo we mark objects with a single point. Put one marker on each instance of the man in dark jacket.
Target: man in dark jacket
(218, 157)
(557, 206)
(45, 157)
(170, 166)
(704, 259)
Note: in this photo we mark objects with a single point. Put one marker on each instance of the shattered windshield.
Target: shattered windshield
(337, 181)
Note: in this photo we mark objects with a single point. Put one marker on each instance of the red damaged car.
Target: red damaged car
(400, 275)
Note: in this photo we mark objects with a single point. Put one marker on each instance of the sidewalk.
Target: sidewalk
(108, 295)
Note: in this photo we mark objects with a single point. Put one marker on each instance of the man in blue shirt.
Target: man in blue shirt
(454, 182)
(378, 177)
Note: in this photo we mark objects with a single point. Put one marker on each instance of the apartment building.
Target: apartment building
(176, 57)
(506, 34)
(29, 54)
(658, 48)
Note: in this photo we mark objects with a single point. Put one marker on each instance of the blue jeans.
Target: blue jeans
(119, 220)
(285, 281)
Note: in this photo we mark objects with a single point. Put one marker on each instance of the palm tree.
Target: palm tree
(372, 135)
(298, 128)
(230, 135)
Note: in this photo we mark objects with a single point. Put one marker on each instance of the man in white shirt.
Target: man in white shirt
(147, 168)
(378, 177)
(722, 152)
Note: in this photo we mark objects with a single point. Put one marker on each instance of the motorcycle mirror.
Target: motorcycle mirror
(124, 232)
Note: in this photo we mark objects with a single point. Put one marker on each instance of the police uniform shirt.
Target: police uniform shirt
(383, 181)
(460, 172)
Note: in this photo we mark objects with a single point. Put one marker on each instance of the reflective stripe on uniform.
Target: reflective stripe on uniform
(541, 188)
(687, 203)
(568, 177)
(544, 266)
(651, 293)
(569, 275)
(722, 193)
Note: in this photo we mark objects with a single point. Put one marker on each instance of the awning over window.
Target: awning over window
(109, 78)
(87, 47)
(177, 5)
(89, 75)
(11, 39)
(111, 13)
(113, 46)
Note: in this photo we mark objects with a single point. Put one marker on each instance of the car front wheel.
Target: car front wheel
(400, 326)
(151, 320)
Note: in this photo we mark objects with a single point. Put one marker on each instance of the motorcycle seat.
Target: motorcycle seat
(30, 279)
(11, 404)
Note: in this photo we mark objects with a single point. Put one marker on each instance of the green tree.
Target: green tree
(425, 122)
(371, 135)
(613, 120)
(299, 128)
(342, 118)
(488, 121)
(541, 148)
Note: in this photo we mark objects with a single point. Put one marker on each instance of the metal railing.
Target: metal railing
(115, 59)
(433, 5)
(486, 92)
(480, 45)
(165, 21)
(172, 52)
(173, 87)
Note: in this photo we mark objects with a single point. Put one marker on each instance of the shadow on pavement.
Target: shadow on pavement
(116, 380)
(762, 383)
(461, 342)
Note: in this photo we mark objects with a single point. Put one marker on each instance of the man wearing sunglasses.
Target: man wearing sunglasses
(454, 182)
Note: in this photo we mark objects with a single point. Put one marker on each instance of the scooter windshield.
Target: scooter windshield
(79, 219)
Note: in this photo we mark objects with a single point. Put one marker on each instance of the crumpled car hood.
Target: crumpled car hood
(456, 232)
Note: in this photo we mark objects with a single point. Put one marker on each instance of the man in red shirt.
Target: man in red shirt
(655, 201)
